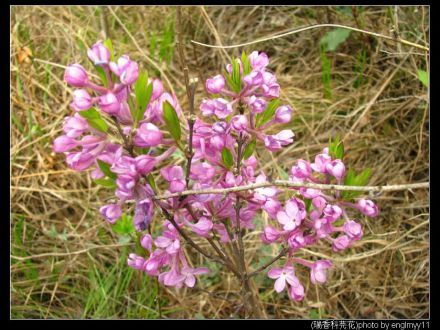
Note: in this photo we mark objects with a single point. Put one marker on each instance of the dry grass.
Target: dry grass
(58, 237)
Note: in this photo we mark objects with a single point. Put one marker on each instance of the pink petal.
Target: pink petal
(280, 284)
(274, 273)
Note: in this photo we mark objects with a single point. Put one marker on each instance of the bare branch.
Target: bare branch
(289, 184)
(399, 40)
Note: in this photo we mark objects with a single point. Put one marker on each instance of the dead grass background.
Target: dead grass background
(58, 236)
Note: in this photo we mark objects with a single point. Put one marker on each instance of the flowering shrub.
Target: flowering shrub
(128, 126)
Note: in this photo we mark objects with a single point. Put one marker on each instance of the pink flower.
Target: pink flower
(222, 108)
(64, 143)
(215, 84)
(144, 164)
(320, 163)
(157, 89)
(174, 175)
(277, 141)
(189, 273)
(207, 107)
(296, 292)
(341, 243)
(135, 261)
(99, 54)
(336, 168)
(309, 192)
(239, 123)
(203, 227)
(301, 170)
(254, 78)
(111, 212)
(170, 242)
(367, 207)
(296, 240)
(257, 104)
(283, 275)
(317, 271)
(75, 126)
(147, 242)
(258, 61)
(109, 103)
(81, 101)
(270, 234)
(125, 69)
(76, 75)
(293, 215)
(80, 161)
(353, 230)
(333, 212)
(147, 135)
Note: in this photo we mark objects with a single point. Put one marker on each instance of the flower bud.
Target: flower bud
(367, 207)
(318, 271)
(301, 170)
(336, 168)
(283, 114)
(81, 101)
(257, 104)
(111, 212)
(341, 243)
(147, 242)
(333, 212)
(99, 54)
(109, 103)
(239, 123)
(135, 261)
(254, 78)
(258, 61)
(147, 135)
(222, 108)
(353, 230)
(64, 143)
(157, 89)
(144, 164)
(76, 75)
(215, 84)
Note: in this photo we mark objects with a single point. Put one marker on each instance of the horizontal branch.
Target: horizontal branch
(289, 184)
(378, 35)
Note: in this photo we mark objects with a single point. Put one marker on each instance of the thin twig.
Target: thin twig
(405, 42)
(289, 184)
(270, 262)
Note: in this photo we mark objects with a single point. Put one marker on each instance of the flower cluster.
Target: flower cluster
(244, 103)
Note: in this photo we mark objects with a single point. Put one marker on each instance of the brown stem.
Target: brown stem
(270, 262)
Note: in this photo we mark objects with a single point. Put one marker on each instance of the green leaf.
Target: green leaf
(423, 77)
(246, 64)
(234, 79)
(94, 119)
(332, 39)
(106, 182)
(338, 223)
(172, 121)
(105, 168)
(143, 95)
(352, 180)
(102, 75)
(308, 204)
(268, 113)
(227, 158)
(249, 149)
(336, 148)
(109, 45)
(151, 181)
(124, 225)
